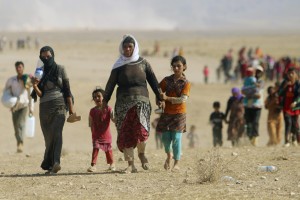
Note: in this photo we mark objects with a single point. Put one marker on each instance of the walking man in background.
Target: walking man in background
(20, 87)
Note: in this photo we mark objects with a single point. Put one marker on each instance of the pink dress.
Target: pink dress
(100, 127)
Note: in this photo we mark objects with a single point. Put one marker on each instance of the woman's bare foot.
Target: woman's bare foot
(130, 169)
(134, 170)
(144, 161)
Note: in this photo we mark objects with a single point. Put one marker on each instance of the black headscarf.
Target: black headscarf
(49, 63)
(50, 70)
(50, 67)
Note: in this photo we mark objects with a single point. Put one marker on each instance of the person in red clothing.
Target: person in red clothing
(288, 63)
(99, 121)
(206, 74)
(290, 101)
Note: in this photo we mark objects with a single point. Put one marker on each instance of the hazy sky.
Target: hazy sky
(35, 15)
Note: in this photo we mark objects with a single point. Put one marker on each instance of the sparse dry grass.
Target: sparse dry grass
(210, 168)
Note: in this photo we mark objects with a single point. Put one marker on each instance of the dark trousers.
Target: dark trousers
(217, 136)
(252, 116)
(206, 79)
(19, 118)
(52, 127)
(53, 140)
(291, 127)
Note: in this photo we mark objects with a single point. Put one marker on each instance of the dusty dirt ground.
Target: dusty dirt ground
(88, 57)
(22, 179)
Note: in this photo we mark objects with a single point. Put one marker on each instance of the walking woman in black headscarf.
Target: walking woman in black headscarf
(55, 99)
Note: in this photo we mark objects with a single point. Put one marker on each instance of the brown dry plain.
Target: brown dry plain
(88, 57)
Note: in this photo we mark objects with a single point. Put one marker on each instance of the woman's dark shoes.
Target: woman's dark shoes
(56, 168)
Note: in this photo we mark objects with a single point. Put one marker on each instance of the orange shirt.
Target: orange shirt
(175, 89)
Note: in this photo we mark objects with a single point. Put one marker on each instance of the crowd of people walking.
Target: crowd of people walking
(131, 113)
(245, 105)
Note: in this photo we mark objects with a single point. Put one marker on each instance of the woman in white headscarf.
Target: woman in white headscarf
(132, 109)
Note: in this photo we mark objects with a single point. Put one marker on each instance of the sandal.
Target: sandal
(127, 170)
(112, 168)
(145, 166)
(91, 169)
(48, 172)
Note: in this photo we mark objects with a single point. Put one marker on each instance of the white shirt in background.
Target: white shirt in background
(17, 89)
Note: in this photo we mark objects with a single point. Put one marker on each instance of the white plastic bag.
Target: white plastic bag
(30, 126)
(8, 100)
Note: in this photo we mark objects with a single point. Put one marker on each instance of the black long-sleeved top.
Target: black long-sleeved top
(132, 80)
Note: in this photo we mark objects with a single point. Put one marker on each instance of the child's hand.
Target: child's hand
(162, 105)
(163, 96)
(293, 105)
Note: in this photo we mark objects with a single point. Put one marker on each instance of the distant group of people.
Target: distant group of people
(3, 41)
(273, 69)
(131, 113)
(177, 51)
(245, 105)
(20, 43)
(226, 66)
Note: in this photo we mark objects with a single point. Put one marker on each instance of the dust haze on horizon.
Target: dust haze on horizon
(205, 15)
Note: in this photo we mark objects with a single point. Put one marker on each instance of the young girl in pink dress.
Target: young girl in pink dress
(99, 121)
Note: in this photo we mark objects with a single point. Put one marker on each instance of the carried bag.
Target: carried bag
(7, 99)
